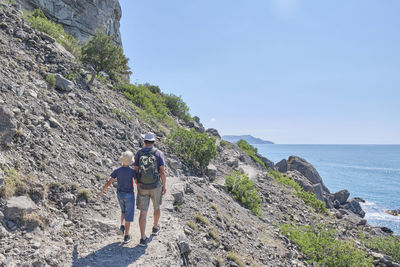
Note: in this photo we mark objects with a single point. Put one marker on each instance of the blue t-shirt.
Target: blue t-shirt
(125, 177)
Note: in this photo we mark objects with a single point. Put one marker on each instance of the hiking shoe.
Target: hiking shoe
(122, 229)
(143, 242)
(127, 238)
(156, 231)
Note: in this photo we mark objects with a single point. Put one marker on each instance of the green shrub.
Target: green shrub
(39, 21)
(308, 197)
(200, 219)
(225, 144)
(195, 149)
(192, 225)
(249, 150)
(232, 256)
(389, 245)
(103, 55)
(142, 97)
(242, 188)
(318, 243)
(84, 194)
(122, 115)
(51, 80)
(13, 184)
(177, 106)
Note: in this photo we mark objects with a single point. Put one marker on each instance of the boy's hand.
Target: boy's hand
(99, 194)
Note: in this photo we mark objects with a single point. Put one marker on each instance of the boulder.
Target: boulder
(197, 126)
(178, 192)
(18, 206)
(318, 191)
(184, 245)
(211, 171)
(213, 132)
(8, 125)
(308, 170)
(341, 196)
(268, 164)
(354, 207)
(282, 166)
(63, 84)
(336, 204)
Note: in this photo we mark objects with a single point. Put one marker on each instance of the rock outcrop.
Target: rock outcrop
(81, 18)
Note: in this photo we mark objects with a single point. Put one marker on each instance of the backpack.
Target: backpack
(148, 169)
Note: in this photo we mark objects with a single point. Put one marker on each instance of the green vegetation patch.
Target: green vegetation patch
(13, 184)
(318, 243)
(200, 219)
(308, 197)
(242, 188)
(120, 114)
(51, 80)
(195, 149)
(249, 150)
(232, 256)
(84, 194)
(39, 21)
(389, 245)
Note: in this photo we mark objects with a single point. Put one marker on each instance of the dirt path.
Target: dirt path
(161, 249)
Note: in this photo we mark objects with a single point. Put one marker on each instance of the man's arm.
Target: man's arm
(105, 186)
(163, 179)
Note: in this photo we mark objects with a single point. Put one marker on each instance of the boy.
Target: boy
(125, 192)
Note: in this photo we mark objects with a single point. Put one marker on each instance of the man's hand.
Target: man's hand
(164, 190)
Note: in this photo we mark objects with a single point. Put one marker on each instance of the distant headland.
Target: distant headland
(248, 138)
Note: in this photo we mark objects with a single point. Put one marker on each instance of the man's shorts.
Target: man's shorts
(144, 196)
(127, 204)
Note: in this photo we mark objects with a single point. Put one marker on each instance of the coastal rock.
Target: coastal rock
(213, 132)
(341, 196)
(282, 166)
(355, 207)
(212, 171)
(268, 164)
(8, 125)
(391, 212)
(81, 19)
(301, 180)
(308, 170)
(196, 125)
(318, 191)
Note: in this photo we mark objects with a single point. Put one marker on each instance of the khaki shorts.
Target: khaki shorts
(144, 196)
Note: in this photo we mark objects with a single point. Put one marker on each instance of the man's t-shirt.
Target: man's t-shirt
(159, 156)
(125, 177)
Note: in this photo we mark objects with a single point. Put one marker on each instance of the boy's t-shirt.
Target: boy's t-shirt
(124, 176)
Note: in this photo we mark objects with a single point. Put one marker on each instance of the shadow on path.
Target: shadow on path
(115, 254)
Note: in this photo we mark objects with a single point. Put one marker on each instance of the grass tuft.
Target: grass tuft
(200, 219)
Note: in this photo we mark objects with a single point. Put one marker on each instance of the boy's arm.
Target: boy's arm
(105, 186)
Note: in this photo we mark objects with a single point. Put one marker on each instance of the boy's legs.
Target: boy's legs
(130, 211)
(122, 218)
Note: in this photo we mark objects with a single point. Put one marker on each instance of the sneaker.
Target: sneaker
(143, 242)
(122, 229)
(156, 231)
(127, 238)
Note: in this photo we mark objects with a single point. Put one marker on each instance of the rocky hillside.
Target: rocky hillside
(81, 18)
(59, 144)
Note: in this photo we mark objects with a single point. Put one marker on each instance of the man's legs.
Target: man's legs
(142, 223)
(157, 214)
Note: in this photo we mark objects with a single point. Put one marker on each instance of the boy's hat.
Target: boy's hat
(150, 137)
(127, 158)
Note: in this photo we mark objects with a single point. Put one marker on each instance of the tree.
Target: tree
(103, 55)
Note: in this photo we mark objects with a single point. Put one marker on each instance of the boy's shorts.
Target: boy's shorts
(144, 196)
(127, 204)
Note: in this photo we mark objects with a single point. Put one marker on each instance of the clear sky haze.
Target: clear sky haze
(289, 71)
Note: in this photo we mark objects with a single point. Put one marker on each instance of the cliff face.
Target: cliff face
(81, 18)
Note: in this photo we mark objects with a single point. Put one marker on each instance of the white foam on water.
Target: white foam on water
(376, 213)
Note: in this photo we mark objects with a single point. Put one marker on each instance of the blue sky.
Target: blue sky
(289, 71)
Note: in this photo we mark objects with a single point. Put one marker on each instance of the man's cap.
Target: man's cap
(150, 137)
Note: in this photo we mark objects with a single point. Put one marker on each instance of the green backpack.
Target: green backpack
(148, 169)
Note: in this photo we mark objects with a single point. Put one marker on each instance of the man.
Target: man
(150, 167)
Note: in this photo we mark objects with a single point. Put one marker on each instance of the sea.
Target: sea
(371, 172)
